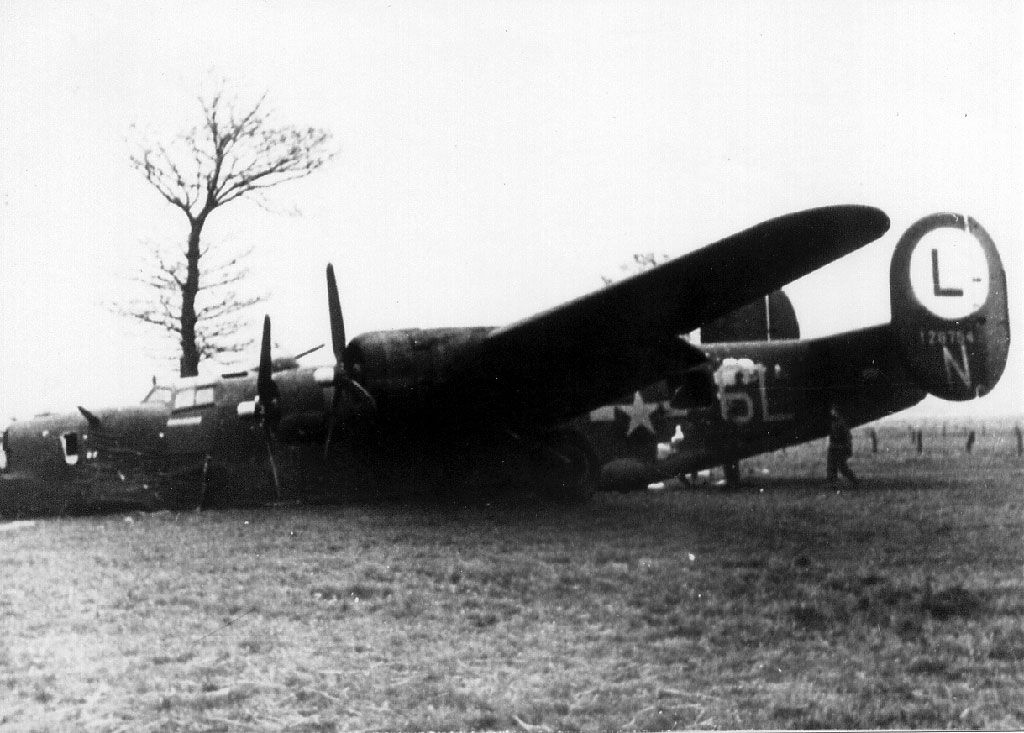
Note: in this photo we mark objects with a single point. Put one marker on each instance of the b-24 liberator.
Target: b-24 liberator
(555, 403)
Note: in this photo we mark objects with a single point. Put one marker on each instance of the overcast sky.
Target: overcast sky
(494, 158)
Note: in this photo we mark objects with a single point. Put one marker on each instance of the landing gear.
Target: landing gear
(568, 469)
(204, 485)
(624, 475)
(732, 474)
(555, 466)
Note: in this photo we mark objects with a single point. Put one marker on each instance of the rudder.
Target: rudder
(766, 319)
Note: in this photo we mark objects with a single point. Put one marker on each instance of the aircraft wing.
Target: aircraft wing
(597, 348)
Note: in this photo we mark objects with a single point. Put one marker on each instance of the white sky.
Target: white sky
(495, 158)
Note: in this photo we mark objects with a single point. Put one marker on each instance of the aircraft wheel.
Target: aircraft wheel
(571, 467)
(624, 476)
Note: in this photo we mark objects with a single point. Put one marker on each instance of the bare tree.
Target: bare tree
(219, 305)
(642, 261)
(231, 154)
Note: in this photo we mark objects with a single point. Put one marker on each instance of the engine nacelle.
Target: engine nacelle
(949, 311)
(399, 367)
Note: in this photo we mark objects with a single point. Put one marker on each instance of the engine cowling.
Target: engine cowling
(399, 367)
(949, 310)
(304, 404)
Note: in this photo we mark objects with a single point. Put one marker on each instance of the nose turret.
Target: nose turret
(47, 445)
(52, 445)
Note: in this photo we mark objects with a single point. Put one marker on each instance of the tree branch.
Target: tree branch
(231, 153)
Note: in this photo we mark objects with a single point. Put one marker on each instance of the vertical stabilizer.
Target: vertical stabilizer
(949, 312)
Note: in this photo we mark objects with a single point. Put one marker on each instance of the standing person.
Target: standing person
(840, 446)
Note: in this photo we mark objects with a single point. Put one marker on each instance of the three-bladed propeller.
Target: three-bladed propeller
(343, 383)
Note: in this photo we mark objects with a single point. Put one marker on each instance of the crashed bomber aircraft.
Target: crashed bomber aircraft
(548, 401)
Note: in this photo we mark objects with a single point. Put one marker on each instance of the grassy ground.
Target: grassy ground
(787, 604)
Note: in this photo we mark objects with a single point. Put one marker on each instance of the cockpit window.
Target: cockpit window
(159, 393)
(184, 398)
(193, 397)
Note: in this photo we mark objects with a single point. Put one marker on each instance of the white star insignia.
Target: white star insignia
(639, 413)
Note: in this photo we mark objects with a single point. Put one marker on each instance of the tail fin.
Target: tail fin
(766, 319)
(949, 313)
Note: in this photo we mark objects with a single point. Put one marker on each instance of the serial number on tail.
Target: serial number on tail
(945, 337)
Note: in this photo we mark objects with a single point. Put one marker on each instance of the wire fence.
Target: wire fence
(940, 439)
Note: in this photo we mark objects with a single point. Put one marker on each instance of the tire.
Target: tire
(571, 469)
(624, 476)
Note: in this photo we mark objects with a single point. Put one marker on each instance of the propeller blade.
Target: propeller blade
(360, 393)
(269, 440)
(332, 419)
(266, 389)
(263, 378)
(343, 383)
(266, 392)
(337, 322)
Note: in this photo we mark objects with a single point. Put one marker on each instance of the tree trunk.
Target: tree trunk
(189, 350)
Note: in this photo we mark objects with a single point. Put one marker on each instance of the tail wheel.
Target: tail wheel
(570, 466)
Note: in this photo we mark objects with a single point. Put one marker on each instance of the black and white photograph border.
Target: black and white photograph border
(753, 268)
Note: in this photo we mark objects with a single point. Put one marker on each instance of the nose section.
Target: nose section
(46, 446)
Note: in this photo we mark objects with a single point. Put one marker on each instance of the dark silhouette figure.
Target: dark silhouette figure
(840, 446)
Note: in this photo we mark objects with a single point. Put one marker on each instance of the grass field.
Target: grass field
(786, 604)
